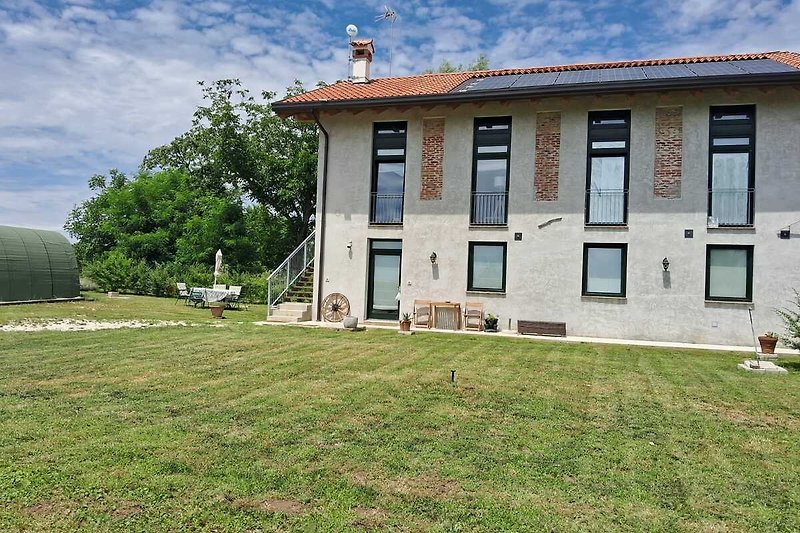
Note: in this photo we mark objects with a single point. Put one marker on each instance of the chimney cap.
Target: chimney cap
(362, 43)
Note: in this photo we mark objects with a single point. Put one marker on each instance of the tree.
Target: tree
(480, 63)
(160, 217)
(238, 143)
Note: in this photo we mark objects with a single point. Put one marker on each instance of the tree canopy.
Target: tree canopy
(480, 63)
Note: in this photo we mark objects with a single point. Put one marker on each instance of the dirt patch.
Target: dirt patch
(86, 325)
(369, 517)
(41, 509)
(742, 418)
(428, 486)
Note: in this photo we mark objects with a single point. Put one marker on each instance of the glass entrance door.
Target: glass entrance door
(384, 279)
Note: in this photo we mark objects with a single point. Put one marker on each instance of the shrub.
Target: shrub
(791, 319)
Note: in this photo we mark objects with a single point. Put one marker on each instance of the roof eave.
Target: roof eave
(287, 109)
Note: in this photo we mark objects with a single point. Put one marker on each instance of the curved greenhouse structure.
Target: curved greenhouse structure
(36, 265)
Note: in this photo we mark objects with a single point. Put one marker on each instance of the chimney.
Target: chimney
(362, 58)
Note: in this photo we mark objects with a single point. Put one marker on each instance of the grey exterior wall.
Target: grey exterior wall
(544, 269)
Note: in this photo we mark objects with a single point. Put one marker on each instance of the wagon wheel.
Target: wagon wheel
(335, 307)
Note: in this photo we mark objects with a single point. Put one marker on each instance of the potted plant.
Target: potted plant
(405, 322)
(768, 342)
(216, 309)
(490, 323)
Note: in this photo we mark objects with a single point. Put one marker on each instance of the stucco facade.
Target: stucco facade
(544, 269)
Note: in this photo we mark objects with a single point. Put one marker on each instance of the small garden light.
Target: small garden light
(665, 264)
(433, 258)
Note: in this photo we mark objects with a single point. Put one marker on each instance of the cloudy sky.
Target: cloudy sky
(90, 85)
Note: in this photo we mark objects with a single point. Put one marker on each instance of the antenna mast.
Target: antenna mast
(352, 31)
(390, 15)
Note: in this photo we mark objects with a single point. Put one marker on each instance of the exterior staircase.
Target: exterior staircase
(290, 287)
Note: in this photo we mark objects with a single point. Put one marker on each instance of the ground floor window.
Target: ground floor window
(487, 266)
(604, 269)
(729, 273)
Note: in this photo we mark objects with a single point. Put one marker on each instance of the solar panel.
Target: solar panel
(718, 68)
(533, 80)
(763, 66)
(656, 72)
(578, 76)
(622, 74)
(494, 82)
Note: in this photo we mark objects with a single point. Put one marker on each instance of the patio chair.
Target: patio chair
(422, 313)
(234, 298)
(473, 316)
(196, 296)
(220, 287)
(183, 294)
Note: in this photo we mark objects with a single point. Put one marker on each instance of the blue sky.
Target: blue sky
(87, 86)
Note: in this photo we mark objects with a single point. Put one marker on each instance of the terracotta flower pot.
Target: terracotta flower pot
(767, 343)
(216, 311)
(405, 325)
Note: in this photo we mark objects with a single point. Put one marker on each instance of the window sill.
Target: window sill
(731, 229)
(605, 227)
(487, 226)
(728, 303)
(387, 226)
(604, 299)
(485, 293)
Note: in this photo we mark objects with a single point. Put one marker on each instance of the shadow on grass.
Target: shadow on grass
(792, 365)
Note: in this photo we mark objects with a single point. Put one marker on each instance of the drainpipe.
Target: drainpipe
(321, 234)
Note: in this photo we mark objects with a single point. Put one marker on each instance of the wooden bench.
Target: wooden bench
(554, 329)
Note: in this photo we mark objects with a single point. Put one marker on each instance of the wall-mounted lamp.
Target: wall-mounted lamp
(665, 264)
(349, 245)
(433, 258)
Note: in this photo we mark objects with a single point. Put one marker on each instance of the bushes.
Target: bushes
(115, 272)
(791, 319)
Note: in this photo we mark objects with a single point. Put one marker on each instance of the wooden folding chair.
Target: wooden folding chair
(422, 313)
(473, 316)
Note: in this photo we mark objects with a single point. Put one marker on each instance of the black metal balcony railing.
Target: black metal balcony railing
(489, 208)
(386, 209)
(606, 206)
(731, 207)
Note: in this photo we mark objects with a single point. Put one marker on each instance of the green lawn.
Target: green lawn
(245, 427)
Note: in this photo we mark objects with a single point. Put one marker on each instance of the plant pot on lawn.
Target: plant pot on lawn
(490, 324)
(216, 309)
(405, 322)
(768, 342)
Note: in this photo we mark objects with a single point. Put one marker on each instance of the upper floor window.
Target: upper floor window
(731, 174)
(490, 168)
(388, 173)
(607, 168)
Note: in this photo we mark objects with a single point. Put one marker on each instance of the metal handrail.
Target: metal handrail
(306, 249)
(489, 208)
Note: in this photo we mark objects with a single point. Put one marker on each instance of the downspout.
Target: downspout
(318, 269)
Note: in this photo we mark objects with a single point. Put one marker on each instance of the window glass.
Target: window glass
(608, 144)
(488, 266)
(603, 270)
(492, 149)
(491, 175)
(391, 151)
(731, 141)
(390, 178)
(727, 273)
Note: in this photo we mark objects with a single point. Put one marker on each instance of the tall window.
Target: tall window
(490, 167)
(604, 269)
(731, 172)
(729, 273)
(607, 168)
(388, 173)
(487, 267)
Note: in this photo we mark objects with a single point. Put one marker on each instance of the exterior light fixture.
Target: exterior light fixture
(349, 245)
(665, 264)
(433, 258)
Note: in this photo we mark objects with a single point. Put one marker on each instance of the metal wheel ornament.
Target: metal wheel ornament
(335, 307)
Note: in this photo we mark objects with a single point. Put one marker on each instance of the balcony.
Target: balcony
(386, 208)
(489, 208)
(731, 207)
(607, 207)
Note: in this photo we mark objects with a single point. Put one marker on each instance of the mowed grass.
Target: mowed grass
(245, 427)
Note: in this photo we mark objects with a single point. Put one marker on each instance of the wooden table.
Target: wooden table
(450, 316)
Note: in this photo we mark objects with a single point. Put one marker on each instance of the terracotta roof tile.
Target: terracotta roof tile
(431, 84)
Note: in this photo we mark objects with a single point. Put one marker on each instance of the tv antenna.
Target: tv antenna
(390, 15)
(352, 31)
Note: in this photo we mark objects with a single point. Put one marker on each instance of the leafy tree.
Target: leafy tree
(159, 218)
(238, 143)
(480, 63)
(791, 320)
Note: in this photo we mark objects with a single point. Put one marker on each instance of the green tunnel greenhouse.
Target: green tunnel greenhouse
(36, 265)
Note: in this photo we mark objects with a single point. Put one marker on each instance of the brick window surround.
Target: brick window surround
(669, 152)
(548, 147)
(432, 159)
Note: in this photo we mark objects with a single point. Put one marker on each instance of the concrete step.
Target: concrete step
(285, 319)
(296, 306)
(290, 312)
